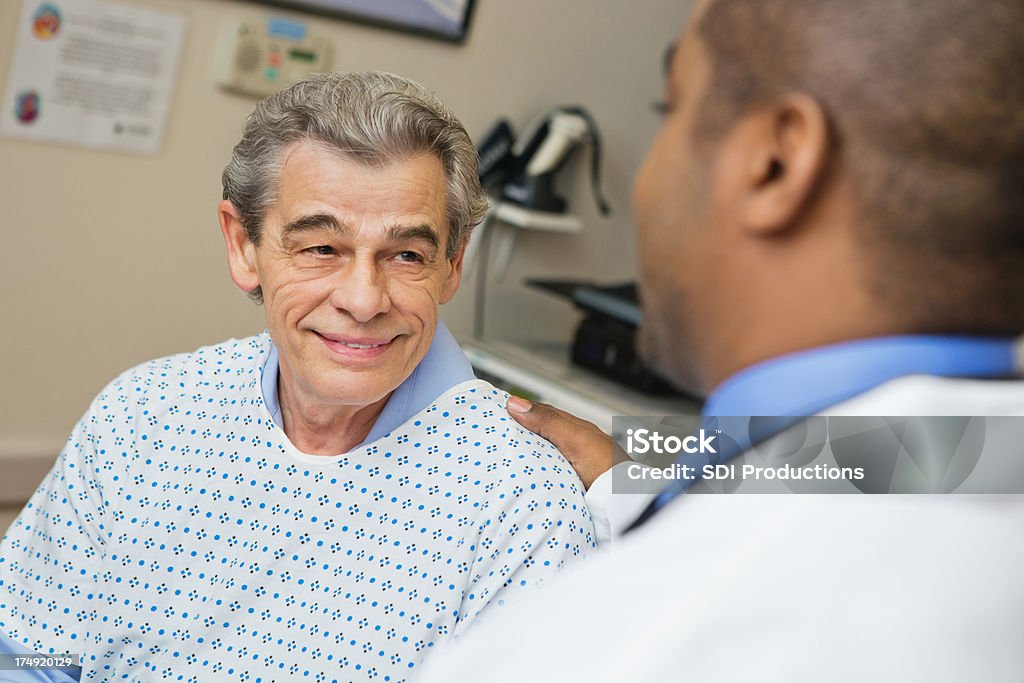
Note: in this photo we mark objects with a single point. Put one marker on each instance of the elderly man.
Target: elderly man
(325, 501)
(830, 220)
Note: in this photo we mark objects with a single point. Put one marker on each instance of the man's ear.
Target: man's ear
(454, 279)
(787, 150)
(241, 252)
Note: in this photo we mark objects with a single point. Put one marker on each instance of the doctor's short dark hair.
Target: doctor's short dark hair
(925, 102)
(371, 118)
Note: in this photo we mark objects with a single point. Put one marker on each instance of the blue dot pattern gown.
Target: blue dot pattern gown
(180, 536)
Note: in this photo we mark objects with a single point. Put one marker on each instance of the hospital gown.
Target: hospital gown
(181, 536)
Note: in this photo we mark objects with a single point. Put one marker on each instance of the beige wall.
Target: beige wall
(107, 260)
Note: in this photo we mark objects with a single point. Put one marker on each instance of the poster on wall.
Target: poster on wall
(91, 73)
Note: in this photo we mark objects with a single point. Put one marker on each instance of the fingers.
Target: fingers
(545, 420)
(589, 450)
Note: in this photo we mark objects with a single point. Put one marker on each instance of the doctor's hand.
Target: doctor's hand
(590, 451)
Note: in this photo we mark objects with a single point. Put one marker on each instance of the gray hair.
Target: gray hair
(373, 118)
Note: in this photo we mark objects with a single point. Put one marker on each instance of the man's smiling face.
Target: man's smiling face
(352, 264)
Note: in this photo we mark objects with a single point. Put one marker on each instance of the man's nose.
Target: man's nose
(361, 290)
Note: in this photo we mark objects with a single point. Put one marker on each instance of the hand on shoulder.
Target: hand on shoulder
(590, 451)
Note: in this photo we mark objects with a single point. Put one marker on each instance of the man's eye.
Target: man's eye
(410, 257)
(321, 250)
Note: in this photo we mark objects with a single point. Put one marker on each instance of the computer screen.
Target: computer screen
(445, 19)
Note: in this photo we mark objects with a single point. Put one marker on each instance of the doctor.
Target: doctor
(830, 220)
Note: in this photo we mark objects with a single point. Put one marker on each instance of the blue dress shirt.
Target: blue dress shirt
(807, 382)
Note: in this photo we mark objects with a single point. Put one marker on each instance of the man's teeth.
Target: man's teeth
(361, 346)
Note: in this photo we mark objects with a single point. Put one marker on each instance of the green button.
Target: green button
(271, 73)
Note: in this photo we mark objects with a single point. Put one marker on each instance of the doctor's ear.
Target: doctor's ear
(787, 150)
(241, 251)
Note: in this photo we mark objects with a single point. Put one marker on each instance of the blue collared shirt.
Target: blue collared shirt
(443, 366)
(808, 382)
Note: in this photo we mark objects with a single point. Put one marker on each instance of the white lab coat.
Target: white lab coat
(803, 588)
